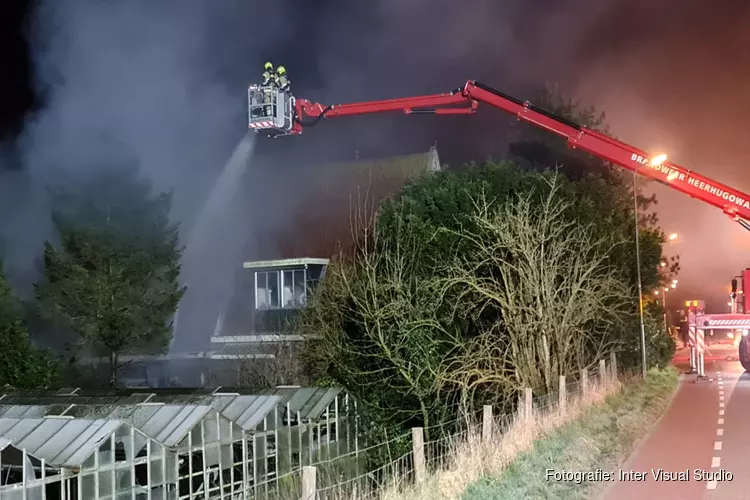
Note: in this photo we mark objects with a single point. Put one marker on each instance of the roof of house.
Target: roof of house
(338, 194)
(279, 263)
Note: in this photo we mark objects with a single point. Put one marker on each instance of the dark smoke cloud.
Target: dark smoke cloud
(133, 79)
(160, 84)
(677, 82)
(389, 48)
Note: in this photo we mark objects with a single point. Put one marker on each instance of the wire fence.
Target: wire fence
(412, 456)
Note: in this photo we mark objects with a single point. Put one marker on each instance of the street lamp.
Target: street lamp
(654, 162)
(658, 160)
(673, 236)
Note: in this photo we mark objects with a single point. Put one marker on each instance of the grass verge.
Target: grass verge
(602, 437)
(471, 457)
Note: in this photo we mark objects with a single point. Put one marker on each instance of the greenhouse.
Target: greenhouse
(189, 443)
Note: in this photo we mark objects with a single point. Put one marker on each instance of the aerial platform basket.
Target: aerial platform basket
(270, 110)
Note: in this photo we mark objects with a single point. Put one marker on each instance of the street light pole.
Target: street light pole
(655, 161)
(664, 309)
(638, 264)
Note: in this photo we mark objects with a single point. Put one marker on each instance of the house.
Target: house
(276, 288)
(289, 258)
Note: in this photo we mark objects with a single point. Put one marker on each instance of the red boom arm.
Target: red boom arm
(466, 99)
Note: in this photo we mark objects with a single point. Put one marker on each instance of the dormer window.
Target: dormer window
(284, 289)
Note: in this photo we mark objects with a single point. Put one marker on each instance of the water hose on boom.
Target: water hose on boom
(315, 120)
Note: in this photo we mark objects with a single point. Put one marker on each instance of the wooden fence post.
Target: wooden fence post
(585, 382)
(613, 365)
(487, 423)
(417, 443)
(602, 371)
(521, 416)
(528, 402)
(562, 395)
(309, 486)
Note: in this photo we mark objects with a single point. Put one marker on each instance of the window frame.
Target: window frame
(265, 274)
(280, 280)
(291, 302)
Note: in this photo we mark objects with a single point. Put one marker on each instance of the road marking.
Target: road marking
(719, 432)
(717, 446)
(721, 398)
(711, 485)
(721, 421)
(721, 405)
(716, 462)
(721, 413)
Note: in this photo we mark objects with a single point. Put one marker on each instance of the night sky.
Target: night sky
(167, 79)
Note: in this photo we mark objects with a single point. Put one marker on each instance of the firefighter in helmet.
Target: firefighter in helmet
(269, 78)
(282, 80)
(269, 75)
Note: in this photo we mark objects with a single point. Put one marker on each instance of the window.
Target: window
(294, 288)
(267, 290)
(280, 289)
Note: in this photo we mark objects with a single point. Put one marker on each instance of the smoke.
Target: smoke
(144, 75)
(390, 48)
(671, 76)
(677, 83)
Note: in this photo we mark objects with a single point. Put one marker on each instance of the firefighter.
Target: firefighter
(269, 79)
(282, 80)
(269, 75)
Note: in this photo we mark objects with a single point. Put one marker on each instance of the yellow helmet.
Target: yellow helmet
(281, 70)
(268, 66)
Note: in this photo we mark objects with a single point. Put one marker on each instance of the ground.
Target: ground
(704, 429)
(596, 443)
(699, 429)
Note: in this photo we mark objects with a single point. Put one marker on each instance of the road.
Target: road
(704, 428)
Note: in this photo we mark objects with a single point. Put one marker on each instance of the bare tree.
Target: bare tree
(550, 284)
(377, 325)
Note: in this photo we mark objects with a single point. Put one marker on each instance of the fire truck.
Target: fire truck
(278, 113)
